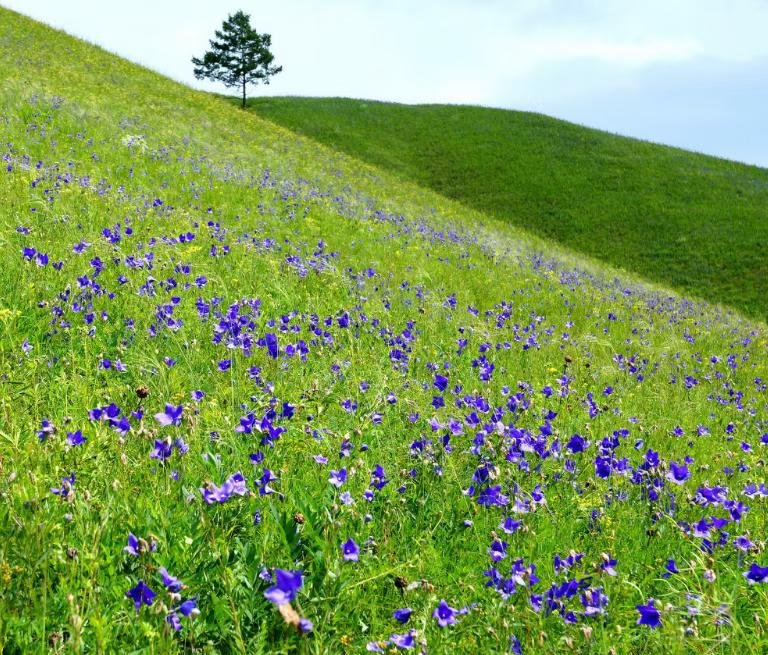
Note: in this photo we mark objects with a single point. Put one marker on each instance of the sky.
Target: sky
(689, 73)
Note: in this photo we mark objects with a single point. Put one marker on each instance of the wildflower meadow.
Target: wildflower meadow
(259, 397)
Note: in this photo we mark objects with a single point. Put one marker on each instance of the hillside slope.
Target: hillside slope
(693, 222)
(257, 396)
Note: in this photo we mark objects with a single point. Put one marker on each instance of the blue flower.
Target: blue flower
(338, 478)
(66, 491)
(138, 546)
(189, 607)
(757, 574)
(649, 615)
(46, 430)
(162, 450)
(402, 615)
(678, 473)
(133, 545)
(671, 568)
(141, 594)
(75, 438)
(171, 416)
(174, 621)
(350, 550)
(171, 583)
(287, 585)
(235, 484)
(444, 614)
(404, 642)
(305, 625)
(743, 543)
(270, 340)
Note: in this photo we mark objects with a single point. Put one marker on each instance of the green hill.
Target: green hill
(690, 221)
(259, 396)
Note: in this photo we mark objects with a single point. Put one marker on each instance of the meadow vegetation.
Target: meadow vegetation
(258, 396)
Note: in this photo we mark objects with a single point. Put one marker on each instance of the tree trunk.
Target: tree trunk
(243, 93)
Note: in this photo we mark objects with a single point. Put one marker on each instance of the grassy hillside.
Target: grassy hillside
(257, 396)
(690, 221)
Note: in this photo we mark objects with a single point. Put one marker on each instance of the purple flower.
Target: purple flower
(197, 395)
(189, 607)
(402, 615)
(171, 416)
(174, 621)
(141, 594)
(75, 438)
(678, 473)
(247, 424)
(649, 615)
(235, 484)
(757, 574)
(743, 543)
(287, 584)
(46, 430)
(305, 625)
(338, 478)
(264, 480)
(346, 498)
(404, 642)
(133, 545)
(498, 550)
(440, 383)
(66, 491)
(510, 525)
(492, 496)
(270, 341)
(594, 601)
(445, 614)
(171, 583)
(378, 478)
(137, 546)
(608, 564)
(577, 444)
(224, 365)
(671, 567)
(350, 550)
(162, 450)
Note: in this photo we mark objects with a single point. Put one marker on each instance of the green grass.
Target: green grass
(686, 220)
(92, 143)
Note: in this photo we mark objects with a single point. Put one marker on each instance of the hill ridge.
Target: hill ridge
(628, 202)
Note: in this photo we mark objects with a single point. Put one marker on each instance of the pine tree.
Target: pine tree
(238, 56)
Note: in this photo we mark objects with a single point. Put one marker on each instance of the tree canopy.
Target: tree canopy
(239, 55)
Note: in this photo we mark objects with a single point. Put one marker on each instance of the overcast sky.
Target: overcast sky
(691, 73)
